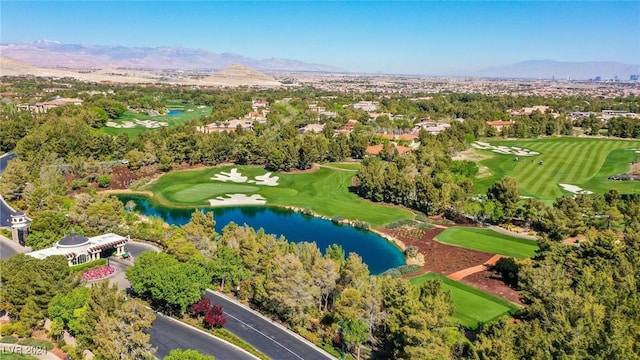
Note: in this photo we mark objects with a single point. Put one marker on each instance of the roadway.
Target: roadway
(271, 339)
(168, 334)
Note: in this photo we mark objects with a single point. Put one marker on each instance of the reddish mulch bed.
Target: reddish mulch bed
(440, 258)
(492, 283)
(122, 176)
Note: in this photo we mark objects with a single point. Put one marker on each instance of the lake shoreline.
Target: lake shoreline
(398, 244)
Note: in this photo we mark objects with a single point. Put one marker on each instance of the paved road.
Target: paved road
(272, 340)
(4, 159)
(9, 248)
(168, 334)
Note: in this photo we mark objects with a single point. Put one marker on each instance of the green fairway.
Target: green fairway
(488, 241)
(584, 162)
(325, 191)
(190, 112)
(473, 306)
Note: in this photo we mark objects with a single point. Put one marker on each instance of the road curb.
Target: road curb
(208, 334)
(292, 333)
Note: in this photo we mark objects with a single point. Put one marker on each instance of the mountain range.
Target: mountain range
(548, 69)
(53, 54)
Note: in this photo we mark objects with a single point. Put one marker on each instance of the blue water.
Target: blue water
(375, 251)
(175, 112)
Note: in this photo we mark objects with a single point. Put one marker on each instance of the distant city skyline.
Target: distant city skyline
(436, 38)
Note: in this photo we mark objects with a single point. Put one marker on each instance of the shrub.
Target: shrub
(214, 317)
(394, 273)
(400, 223)
(337, 219)
(408, 269)
(308, 335)
(411, 251)
(362, 225)
(79, 183)
(104, 181)
(18, 328)
(508, 268)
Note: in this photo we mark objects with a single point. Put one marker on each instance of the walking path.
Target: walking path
(459, 275)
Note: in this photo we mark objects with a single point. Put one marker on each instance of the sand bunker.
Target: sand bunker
(149, 124)
(507, 150)
(237, 177)
(266, 179)
(238, 199)
(233, 175)
(574, 189)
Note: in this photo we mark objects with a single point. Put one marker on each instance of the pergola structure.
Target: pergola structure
(80, 249)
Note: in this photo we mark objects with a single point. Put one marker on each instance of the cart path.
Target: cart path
(459, 275)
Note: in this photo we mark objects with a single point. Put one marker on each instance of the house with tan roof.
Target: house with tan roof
(499, 124)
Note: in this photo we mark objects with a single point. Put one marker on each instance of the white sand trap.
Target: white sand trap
(266, 179)
(506, 150)
(112, 124)
(233, 176)
(238, 199)
(574, 189)
(127, 124)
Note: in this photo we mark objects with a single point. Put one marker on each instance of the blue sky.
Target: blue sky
(412, 37)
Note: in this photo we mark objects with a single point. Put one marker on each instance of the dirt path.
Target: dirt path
(459, 275)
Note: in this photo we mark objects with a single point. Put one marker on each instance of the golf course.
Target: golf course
(472, 306)
(583, 163)
(488, 241)
(132, 123)
(324, 191)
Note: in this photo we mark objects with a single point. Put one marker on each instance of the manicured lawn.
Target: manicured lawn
(584, 162)
(346, 166)
(190, 112)
(488, 241)
(325, 191)
(473, 306)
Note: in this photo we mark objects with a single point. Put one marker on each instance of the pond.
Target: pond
(376, 252)
(175, 112)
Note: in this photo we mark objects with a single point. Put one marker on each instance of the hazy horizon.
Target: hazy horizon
(436, 38)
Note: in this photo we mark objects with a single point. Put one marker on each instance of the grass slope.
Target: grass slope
(472, 306)
(488, 241)
(585, 162)
(325, 191)
(190, 112)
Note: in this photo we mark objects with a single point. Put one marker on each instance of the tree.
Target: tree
(355, 332)
(228, 267)
(505, 195)
(214, 317)
(189, 354)
(200, 230)
(124, 336)
(165, 281)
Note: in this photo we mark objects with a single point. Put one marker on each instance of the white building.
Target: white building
(80, 249)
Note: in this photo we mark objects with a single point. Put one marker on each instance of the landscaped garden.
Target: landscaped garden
(488, 241)
(583, 163)
(325, 192)
(133, 123)
(472, 306)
